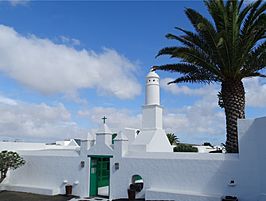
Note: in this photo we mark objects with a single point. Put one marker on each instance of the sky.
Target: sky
(66, 64)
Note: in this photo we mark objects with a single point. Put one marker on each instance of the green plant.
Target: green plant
(229, 47)
(172, 138)
(185, 148)
(9, 160)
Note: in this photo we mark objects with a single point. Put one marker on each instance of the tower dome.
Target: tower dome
(152, 74)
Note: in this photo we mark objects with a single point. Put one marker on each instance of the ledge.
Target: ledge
(31, 189)
(162, 194)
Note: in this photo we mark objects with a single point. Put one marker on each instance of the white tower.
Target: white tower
(152, 112)
(152, 89)
(152, 137)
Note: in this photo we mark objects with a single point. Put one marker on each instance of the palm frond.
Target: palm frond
(226, 49)
(183, 68)
(256, 75)
(193, 79)
(251, 17)
(166, 51)
(255, 61)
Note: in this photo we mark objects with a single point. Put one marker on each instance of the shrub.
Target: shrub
(9, 160)
(185, 148)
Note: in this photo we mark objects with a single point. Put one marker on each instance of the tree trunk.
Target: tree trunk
(233, 101)
(3, 175)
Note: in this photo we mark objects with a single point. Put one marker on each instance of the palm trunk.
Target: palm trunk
(233, 101)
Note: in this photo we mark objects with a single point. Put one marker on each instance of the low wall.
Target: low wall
(46, 171)
(176, 172)
(200, 174)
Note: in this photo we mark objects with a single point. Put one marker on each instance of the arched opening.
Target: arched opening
(136, 183)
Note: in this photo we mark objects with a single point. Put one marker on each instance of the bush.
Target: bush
(185, 148)
(9, 160)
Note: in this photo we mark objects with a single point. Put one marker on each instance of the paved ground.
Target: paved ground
(18, 196)
(90, 199)
(101, 199)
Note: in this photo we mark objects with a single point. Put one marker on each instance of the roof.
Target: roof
(152, 74)
(104, 129)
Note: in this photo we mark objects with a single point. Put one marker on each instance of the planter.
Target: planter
(68, 189)
(131, 194)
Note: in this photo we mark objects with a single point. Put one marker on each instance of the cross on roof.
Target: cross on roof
(104, 119)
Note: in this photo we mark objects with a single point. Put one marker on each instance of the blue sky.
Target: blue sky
(64, 65)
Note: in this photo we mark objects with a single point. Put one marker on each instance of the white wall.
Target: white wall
(201, 174)
(48, 169)
(177, 172)
(185, 174)
(14, 146)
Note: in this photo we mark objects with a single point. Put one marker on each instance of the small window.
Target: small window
(113, 137)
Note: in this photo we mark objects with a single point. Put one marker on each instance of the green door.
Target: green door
(103, 171)
(93, 177)
(99, 173)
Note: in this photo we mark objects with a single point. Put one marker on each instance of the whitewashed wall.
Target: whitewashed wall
(200, 174)
(14, 146)
(45, 172)
(179, 176)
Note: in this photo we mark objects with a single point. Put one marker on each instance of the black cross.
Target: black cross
(104, 118)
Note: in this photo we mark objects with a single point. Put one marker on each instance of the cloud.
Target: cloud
(201, 118)
(69, 41)
(57, 68)
(198, 121)
(117, 119)
(255, 92)
(204, 118)
(185, 90)
(20, 120)
(254, 87)
(18, 2)
(7, 101)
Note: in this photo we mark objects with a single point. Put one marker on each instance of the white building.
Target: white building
(104, 165)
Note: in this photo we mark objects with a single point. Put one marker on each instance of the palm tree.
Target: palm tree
(172, 138)
(227, 49)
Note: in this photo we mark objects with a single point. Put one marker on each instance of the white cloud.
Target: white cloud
(20, 120)
(201, 118)
(254, 87)
(18, 2)
(73, 96)
(255, 92)
(204, 117)
(69, 41)
(8, 101)
(117, 119)
(185, 90)
(51, 68)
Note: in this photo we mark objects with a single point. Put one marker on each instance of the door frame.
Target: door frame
(93, 157)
